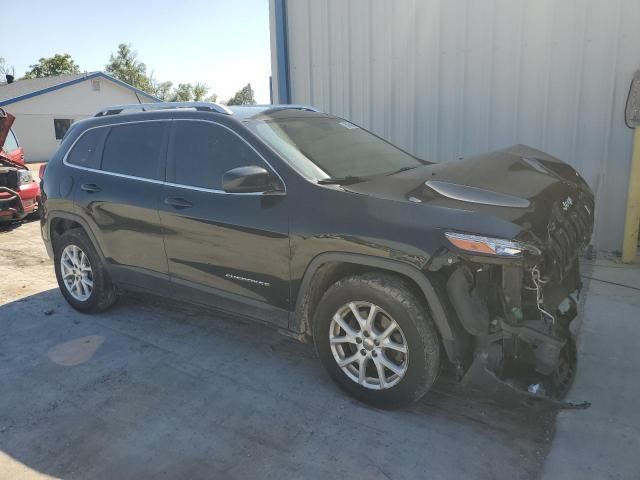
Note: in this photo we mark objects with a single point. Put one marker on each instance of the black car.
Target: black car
(393, 265)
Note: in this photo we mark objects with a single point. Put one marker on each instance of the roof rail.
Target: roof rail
(246, 112)
(290, 106)
(147, 107)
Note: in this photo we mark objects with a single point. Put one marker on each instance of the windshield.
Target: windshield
(322, 146)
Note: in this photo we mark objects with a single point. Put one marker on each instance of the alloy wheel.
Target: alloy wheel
(368, 345)
(76, 272)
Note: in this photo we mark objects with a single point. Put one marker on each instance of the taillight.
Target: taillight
(41, 170)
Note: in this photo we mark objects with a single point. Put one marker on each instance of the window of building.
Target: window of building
(60, 126)
(134, 149)
(203, 152)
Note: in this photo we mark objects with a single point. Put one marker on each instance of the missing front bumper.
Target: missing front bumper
(480, 378)
(518, 348)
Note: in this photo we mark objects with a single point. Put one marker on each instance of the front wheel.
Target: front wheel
(376, 340)
(82, 278)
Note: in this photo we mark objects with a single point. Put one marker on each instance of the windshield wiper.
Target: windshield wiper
(403, 169)
(342, 180)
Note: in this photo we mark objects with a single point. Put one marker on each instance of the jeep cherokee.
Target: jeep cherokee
(302, 220)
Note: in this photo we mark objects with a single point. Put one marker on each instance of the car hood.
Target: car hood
(6, 120)
(519, 184)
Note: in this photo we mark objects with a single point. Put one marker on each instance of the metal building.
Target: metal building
(450, 78)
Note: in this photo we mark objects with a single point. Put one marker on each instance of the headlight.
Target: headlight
(489, 246)
(24, 177)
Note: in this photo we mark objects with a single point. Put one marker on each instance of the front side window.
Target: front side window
(60, 127)
(10, 144)
(203, 152)
(134, 149)
(320, 146)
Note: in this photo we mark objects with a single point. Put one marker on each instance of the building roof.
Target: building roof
(23, 89)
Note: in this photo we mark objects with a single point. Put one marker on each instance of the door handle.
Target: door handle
(90, 187)
(177, 202)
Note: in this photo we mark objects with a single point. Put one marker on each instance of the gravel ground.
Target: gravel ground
(156, 389)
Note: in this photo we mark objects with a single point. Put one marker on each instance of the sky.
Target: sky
(223, 43)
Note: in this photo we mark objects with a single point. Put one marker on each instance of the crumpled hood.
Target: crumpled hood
(518, 184)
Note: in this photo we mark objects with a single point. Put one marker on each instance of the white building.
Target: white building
(46, 107)
(446, 79)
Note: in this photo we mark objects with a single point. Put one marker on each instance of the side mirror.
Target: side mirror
(632, 109)
(251, 179)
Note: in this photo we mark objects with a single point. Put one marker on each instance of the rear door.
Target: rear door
(228, 250)
(118, 189)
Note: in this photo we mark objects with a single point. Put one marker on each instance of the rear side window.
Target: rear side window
(85, 151)
(134, 149)
(203, 152)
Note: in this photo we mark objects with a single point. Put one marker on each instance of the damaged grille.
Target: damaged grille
(8, 177)
(569, 230)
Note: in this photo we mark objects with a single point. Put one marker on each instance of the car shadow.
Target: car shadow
(9, 226)
(157, 389)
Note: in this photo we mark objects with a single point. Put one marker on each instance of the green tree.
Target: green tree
(56, 65)
(182, 93)
(199, 91)
(124, 65)
(244, 96)
(187, 92)
(163, 90)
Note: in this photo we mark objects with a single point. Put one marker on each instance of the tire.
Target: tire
(102, 293)
(413, 372)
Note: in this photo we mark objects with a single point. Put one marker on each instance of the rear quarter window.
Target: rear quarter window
(134, 149)
(84, 153)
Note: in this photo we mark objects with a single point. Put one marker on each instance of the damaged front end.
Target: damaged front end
(18, 191)
(11, 205)
(515, 303)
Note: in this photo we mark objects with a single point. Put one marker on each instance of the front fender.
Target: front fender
(446, 329)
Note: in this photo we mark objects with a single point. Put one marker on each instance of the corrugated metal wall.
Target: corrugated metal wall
(450, 78)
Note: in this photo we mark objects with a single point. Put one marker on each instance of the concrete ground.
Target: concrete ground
(604, 441)
(154, 389)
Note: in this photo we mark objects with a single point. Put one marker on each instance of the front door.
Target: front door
(227, 250)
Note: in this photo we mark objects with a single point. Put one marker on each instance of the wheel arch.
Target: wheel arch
(327, 268)
(58, 222)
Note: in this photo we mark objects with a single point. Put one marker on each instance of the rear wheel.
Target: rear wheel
(81, 275)
(377, 340)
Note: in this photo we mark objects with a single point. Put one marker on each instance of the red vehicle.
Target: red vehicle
(19, 192)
